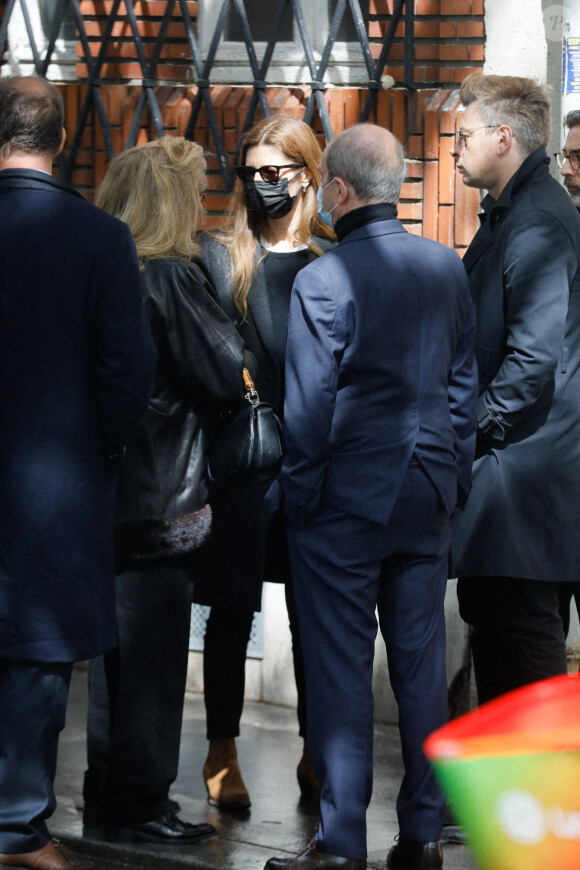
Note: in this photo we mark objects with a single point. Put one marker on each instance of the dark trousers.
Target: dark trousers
(136, 696)
(344, 568)
(227, 633)
(226, 639)
(517, 635)
(33, 701)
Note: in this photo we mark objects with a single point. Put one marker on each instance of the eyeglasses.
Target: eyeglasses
(463, 135)
(573, 157)
(271, 174)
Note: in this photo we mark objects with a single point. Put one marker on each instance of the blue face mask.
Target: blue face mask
(325, 216)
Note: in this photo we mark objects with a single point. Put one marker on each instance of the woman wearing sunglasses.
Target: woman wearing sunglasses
(273, 230)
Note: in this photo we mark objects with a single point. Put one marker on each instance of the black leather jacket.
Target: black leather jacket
(162, 499)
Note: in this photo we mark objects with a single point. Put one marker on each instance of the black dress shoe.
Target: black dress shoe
(409, 855)
(94, 817)
(453, 833)
(314, 858)
(168, 828)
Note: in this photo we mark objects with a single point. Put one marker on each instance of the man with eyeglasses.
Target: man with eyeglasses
(569, 159)
(520, 531)
(569, 162)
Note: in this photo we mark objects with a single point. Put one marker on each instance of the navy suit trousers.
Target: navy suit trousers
(347, 569)
(33, 701)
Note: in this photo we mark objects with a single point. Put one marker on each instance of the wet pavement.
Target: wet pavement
(278, 823)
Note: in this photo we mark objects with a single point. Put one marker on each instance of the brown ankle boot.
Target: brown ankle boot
(307, 779)
(223, 780)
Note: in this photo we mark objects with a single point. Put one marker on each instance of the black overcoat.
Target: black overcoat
(522, 518)
(76, 371)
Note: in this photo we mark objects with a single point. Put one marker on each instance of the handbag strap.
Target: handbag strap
(251, 391)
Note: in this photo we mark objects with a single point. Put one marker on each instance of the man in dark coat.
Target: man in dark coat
(76, 370)
(569, 162)
(379, 418)
(569, 158)
(520, 531)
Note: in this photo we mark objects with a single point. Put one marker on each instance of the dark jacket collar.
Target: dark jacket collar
(367, 214)
(532, 170)
(32, 179)
(536, 162)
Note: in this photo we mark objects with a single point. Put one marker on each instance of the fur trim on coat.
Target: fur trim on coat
(137, 541)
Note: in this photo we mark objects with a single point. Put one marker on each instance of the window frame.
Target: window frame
(288, 65)
(19, 56)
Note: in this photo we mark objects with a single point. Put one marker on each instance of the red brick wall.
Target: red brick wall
(434, 201)
(449, 38)
(449, 207)
(122, 58)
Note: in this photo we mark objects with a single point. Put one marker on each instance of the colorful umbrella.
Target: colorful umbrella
(511, 773)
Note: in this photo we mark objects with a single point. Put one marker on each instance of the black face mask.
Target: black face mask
(269, 200)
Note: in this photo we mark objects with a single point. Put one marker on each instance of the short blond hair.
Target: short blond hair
(157, 190)
(522, 104)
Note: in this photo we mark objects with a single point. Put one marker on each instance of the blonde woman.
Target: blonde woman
(272, 232)
(137, 691)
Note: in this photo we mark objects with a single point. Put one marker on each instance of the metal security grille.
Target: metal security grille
(62, 12)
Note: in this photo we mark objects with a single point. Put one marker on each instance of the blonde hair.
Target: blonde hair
(522, 104)
(157, 190)
(242, 231)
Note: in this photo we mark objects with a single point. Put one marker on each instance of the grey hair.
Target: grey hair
(523, 104)
(572, 119)
(376, 173)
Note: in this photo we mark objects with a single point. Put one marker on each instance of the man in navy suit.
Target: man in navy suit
(381, 391)
(76, 370)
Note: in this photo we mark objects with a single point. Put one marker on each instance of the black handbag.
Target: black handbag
(249, 448)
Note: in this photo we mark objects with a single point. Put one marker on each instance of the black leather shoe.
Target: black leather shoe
(94, 817)
(168, 828)
(314, 858)
(408, 855)
(454, 834)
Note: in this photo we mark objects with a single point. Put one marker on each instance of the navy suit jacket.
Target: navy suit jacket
(76, 371)
(380, 365)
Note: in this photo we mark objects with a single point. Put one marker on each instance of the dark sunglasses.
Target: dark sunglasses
(271, 174)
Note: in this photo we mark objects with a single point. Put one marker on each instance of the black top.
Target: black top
(280, 270)
(366, 214)
(265, 325)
